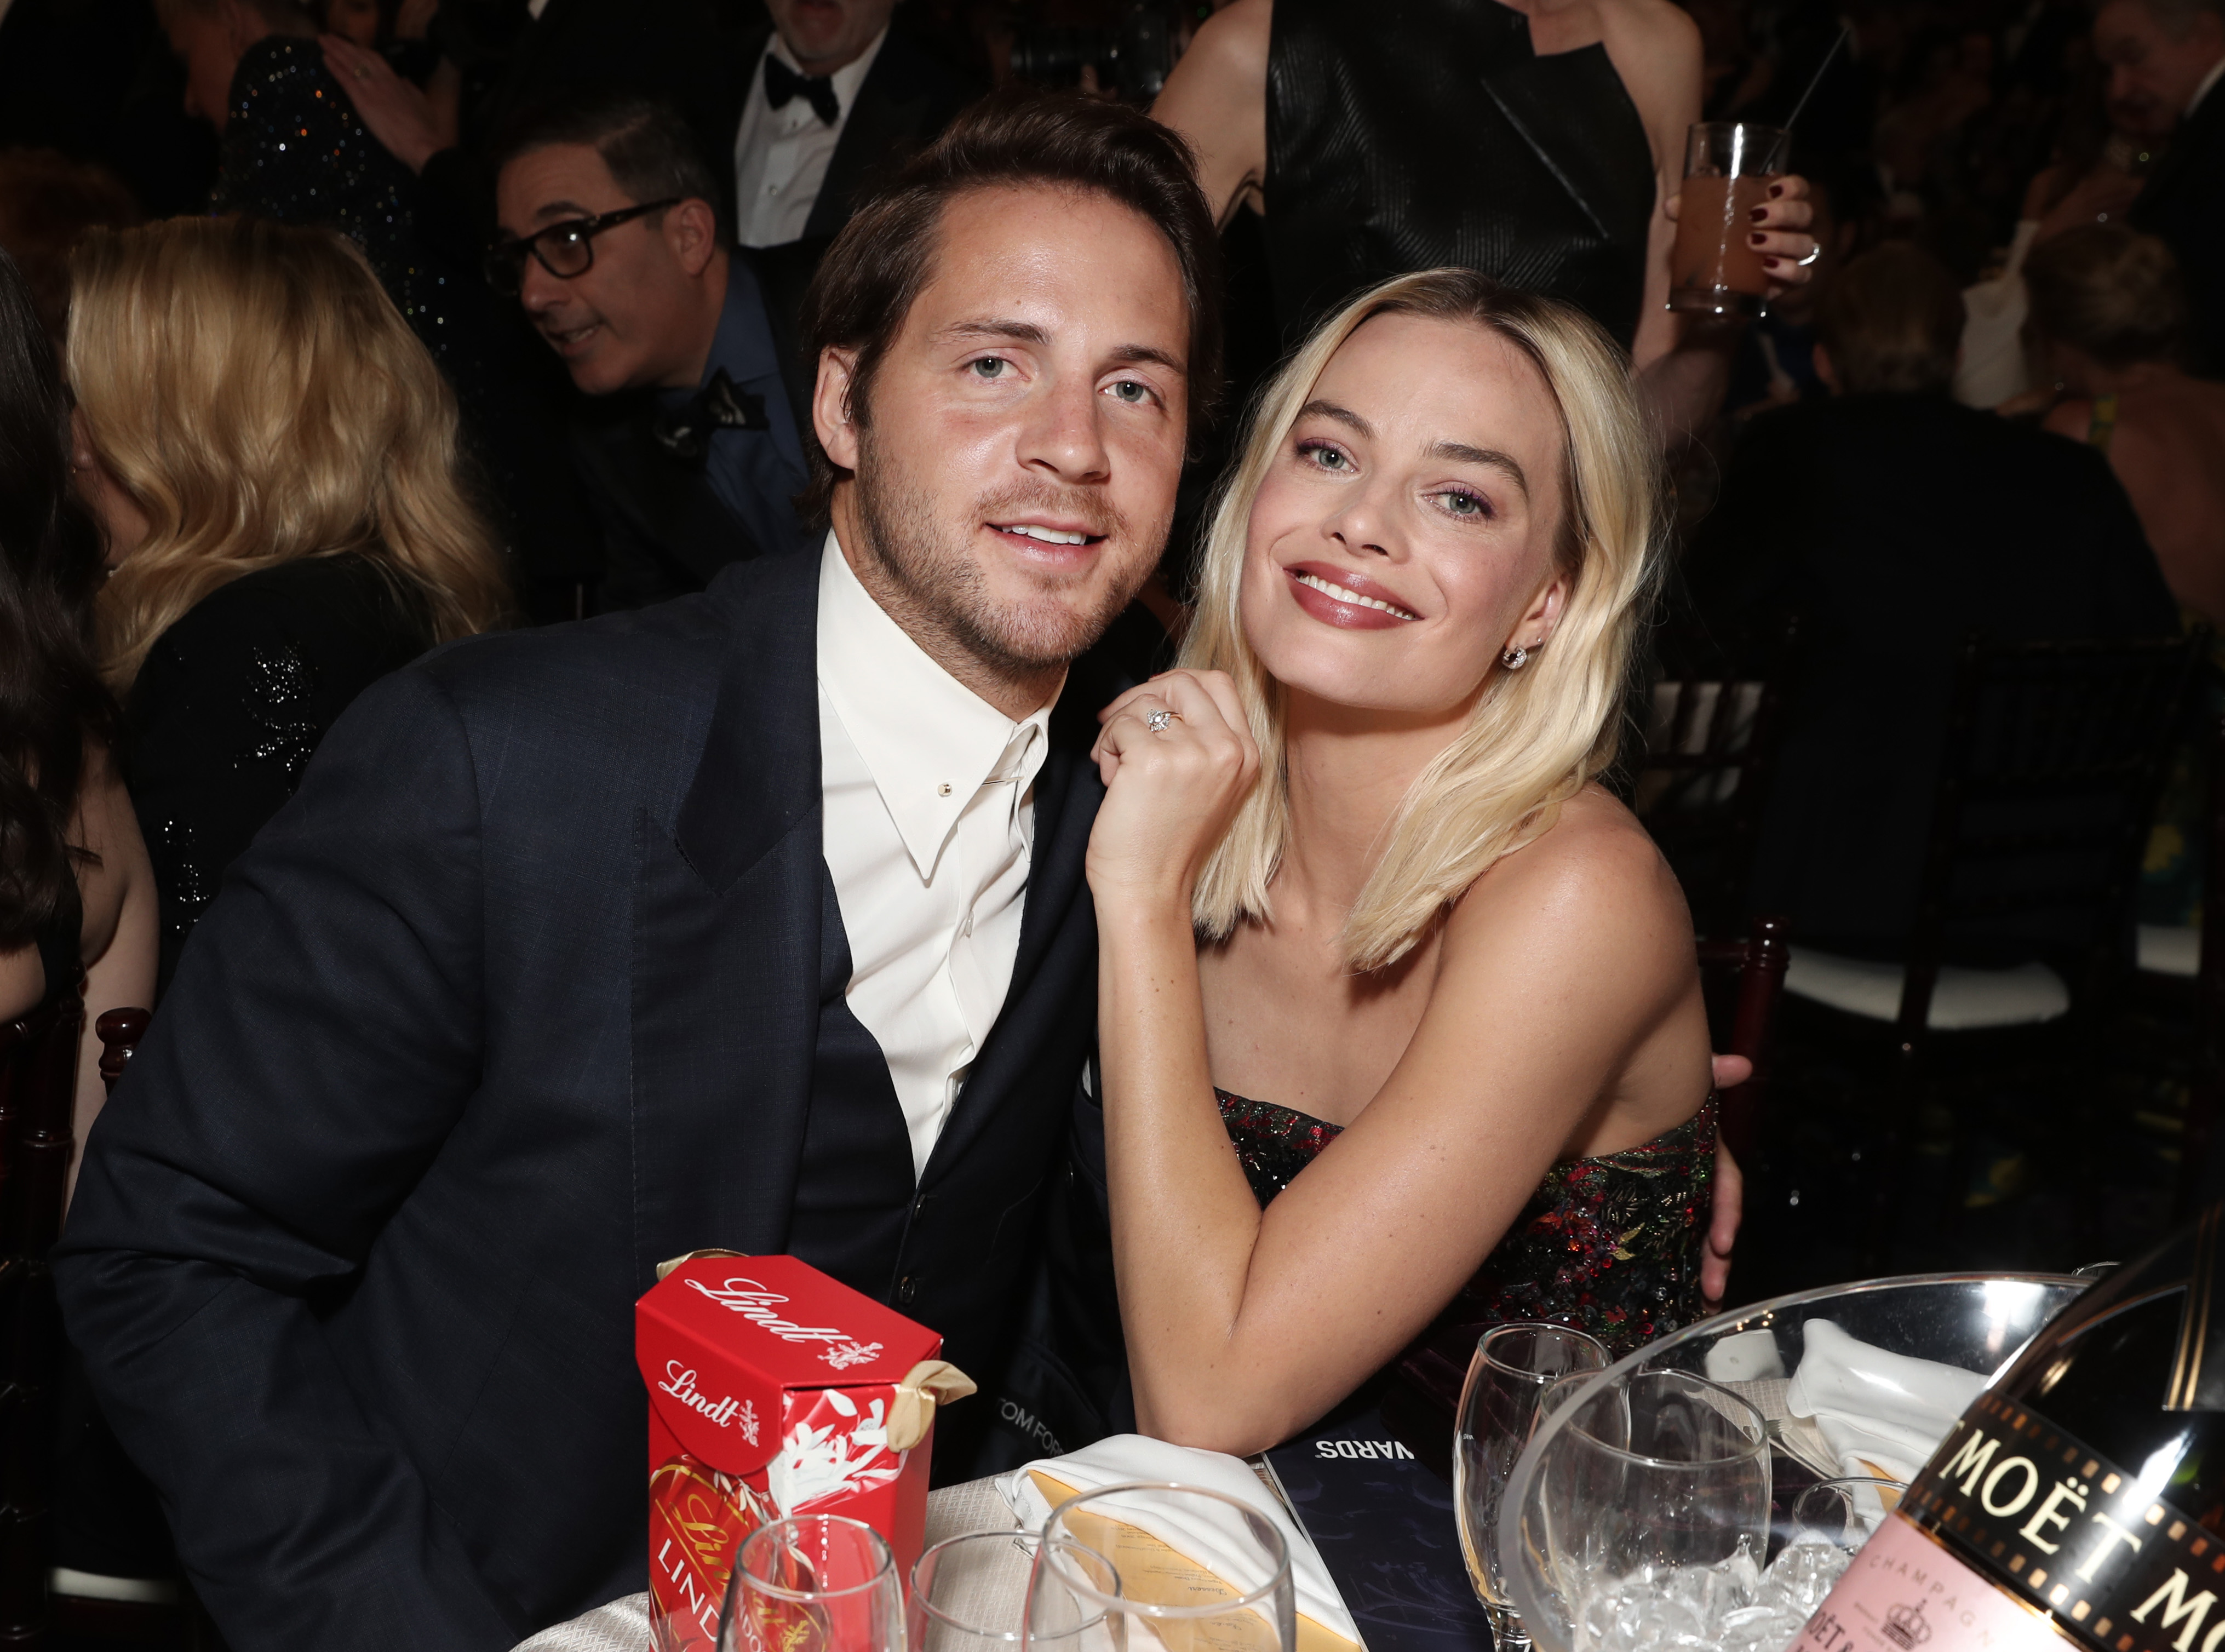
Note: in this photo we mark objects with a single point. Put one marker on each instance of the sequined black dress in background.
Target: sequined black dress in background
(294, 151)
(1406, 134)
(232, 700)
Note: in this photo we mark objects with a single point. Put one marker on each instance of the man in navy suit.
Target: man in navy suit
(756, 920)
(691, 453)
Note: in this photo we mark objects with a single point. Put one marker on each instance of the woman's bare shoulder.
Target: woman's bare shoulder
(1592, 886)
(1664, 40)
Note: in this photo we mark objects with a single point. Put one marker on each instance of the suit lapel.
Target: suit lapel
(885, 115)
(726, 934)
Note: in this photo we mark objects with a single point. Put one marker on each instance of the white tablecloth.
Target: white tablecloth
(623, 1626)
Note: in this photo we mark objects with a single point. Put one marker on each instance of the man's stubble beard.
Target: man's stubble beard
(943, 584)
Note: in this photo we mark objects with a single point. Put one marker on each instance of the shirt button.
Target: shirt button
(943, 790)
(906, 1290)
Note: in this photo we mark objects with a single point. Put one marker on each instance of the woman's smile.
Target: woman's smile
(1351, 601)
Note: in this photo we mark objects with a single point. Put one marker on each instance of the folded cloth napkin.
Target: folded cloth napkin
(1881, 1413)
(1033, 1489)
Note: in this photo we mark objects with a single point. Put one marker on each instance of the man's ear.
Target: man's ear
(691, 230)
(830, 408)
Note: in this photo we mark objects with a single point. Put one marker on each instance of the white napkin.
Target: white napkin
(1876, 1410)
(1121, 1457)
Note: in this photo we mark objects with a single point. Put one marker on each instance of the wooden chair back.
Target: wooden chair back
(1747, 978)
(2055, 755)
(1701, 779)
(38, 1091)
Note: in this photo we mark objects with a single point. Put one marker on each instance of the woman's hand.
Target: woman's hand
(395, 112)
(1722, 1228)
(1170, 789)
(1779, 233)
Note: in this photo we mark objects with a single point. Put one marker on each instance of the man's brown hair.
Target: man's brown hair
(885, 255)
(1893, 321)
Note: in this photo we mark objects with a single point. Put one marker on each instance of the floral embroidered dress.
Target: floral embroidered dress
(1611, 1246)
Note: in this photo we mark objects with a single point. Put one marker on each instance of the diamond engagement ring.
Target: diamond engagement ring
(1157, 721)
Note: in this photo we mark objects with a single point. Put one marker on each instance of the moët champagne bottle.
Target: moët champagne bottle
(2080, 1497)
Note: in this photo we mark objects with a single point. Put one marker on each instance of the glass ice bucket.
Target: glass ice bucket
(1577, 1511)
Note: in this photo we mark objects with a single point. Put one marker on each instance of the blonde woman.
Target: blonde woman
(273, 458)
(1400, 1018)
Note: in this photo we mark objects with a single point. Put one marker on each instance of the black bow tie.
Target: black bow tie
(685, 430)
(782, 83)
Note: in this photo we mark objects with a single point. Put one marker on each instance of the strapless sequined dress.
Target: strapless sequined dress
(1610, 1245)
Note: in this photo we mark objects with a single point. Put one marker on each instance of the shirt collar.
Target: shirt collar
(742, 345)
(845, 79)
(929, 742)
(2208, 81)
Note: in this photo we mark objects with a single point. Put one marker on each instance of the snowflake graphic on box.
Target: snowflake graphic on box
(747, 1422)
(835, 1450)
(851, 1353)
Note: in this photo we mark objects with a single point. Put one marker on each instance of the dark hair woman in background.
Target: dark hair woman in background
(76, 895)
(273, 456)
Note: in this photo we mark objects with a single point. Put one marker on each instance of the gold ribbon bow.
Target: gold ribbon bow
(926, 1385)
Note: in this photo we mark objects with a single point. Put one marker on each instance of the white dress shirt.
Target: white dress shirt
(930, 818)
(780, 155)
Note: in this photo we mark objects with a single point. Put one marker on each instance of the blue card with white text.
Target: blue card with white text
(1384, 1526)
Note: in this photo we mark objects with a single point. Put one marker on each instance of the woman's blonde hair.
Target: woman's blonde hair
(255, 393)
(1536, 736)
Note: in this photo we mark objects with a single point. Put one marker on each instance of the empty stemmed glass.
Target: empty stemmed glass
(973, 1594)
(1513, 1365)
(1159, 1564)
(815, 1583)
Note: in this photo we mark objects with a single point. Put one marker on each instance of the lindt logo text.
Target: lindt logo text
(727, 1412)
(754, 1302)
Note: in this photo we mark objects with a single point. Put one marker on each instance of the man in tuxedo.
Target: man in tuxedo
(832, 90)
(755, 921)
(691, 456)
(2165, 58)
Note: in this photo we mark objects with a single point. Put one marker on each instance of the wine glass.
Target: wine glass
(1159, 1564)
(1661, 1475)
(1844, 1512)
(971, 1594)
(1513, 1365)
(815, 1583)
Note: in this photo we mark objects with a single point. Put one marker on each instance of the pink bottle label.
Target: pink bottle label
(1905, 1592)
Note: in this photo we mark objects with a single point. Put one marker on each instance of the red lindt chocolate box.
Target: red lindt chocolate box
(774, 1390)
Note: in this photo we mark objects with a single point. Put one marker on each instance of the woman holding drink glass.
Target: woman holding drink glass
(1543, 142)
(1446, 1008)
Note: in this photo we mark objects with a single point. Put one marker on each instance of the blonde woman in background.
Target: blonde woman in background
(273, 458)
(1366, 916)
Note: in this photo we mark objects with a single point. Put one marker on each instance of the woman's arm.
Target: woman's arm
(120, 966)
(1560, 973)
(1217, 98)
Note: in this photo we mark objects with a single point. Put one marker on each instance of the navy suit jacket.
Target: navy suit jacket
(516, 998)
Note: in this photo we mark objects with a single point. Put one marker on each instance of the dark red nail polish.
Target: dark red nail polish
(1757, 237)
(1759, 213)
(1776, 190)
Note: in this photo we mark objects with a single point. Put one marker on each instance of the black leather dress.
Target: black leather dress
(1412, 133)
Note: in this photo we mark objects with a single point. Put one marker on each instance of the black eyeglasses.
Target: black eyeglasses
(563, 250)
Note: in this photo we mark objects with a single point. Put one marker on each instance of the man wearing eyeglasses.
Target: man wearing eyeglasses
(690, 456)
